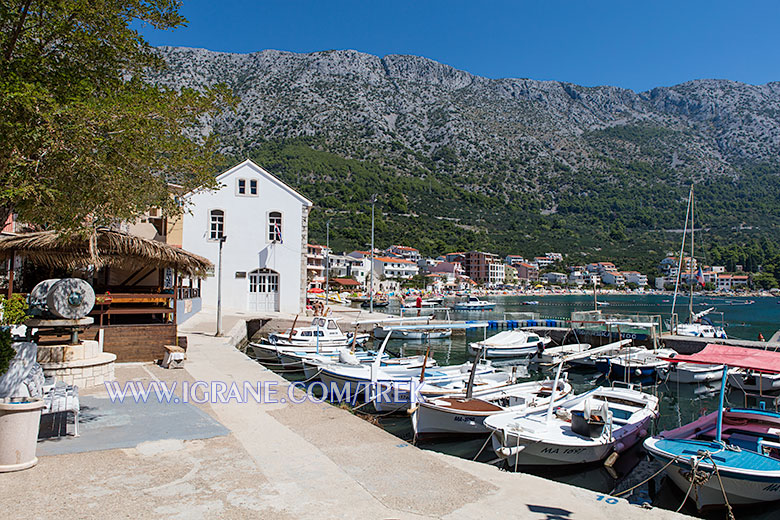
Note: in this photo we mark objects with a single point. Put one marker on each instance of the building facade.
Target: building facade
(484, 268)
(262, 225)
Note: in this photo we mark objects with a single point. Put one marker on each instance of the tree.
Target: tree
(87, 140)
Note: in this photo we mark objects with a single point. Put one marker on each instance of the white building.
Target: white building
(263, 225)
(635, 277)
(395, 267)
(613, 278)
(406, 252)
(345, 266)
(555, 278)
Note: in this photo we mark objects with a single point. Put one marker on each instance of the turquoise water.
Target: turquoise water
(679, 404)
(742, 319)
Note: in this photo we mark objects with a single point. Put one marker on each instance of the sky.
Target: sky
(630, 44)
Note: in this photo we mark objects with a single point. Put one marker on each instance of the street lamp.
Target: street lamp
(371, 265)
(327, 259)
(219, 286)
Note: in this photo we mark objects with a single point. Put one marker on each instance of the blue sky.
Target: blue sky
(637, 45)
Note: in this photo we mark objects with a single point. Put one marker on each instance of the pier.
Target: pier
(277, 460)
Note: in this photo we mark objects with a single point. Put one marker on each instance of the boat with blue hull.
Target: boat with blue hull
(729, 457)
(635, 365)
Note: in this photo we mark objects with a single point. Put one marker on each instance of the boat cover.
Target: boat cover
(737, 357)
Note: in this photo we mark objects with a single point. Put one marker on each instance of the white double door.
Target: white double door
(263, 290)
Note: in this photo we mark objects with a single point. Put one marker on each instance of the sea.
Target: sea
(742, 318)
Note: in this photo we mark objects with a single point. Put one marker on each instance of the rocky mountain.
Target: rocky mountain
(545, 145)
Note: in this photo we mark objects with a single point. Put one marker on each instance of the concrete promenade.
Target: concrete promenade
(282, 461)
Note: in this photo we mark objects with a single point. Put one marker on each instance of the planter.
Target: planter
(20, 419)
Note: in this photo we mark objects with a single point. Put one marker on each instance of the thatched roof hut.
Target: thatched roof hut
(105, 247)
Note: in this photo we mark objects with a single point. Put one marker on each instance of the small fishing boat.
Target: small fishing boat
(509, 344)
(642, 364)
(582, 429)
(323, 332)
(552, 354)
(702, 327)
(413, 334)
(731, 456)
(610, 350)
(312, 363)
(474, 304)
(455, 415)
(690, 373)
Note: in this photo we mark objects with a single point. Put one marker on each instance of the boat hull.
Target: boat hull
(547, 454)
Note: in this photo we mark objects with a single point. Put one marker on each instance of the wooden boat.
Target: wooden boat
(509, 344)
(455, 415)
(583, 429)
(731, 455)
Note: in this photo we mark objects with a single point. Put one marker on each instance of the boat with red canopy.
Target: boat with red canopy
(731, 456)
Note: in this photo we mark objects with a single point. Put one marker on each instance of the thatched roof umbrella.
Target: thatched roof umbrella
(104, 247)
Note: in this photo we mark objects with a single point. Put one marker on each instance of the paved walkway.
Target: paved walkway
(283, 460)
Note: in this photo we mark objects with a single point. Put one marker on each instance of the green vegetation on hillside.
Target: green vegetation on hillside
(629, 212)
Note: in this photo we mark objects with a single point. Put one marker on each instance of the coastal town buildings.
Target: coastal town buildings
(484, 268)
(388, 267)
(261, 226)
(409, 253)
(526, 271)
(555, 278)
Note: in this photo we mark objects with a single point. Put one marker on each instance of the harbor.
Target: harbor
(679, 404)
(279, 460)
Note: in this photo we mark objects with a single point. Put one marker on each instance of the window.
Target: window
(247, 187)
(275, 226)
(217, 224)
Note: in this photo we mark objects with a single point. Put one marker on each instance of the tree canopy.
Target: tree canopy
(86, 140)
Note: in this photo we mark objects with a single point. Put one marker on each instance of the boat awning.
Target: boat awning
(736, 357)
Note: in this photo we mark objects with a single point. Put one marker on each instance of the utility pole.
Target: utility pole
(327, 260)
(371, 267)
(219, 286)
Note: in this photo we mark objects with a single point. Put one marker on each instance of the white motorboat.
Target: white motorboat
(292, 359)
(456, 415)
(583, 429)
(553, 354)
(509, 344)
(701, 327)
(323, 332)
(474, 304)
(690, 373)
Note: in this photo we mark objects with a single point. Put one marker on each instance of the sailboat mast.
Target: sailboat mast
(682, 252)
(690, 282)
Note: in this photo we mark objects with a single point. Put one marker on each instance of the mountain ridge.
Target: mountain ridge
(539, 154)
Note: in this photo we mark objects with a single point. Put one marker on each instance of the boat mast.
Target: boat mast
(690, 282)
(682, 251)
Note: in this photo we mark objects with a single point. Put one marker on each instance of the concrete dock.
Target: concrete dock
(280, 460)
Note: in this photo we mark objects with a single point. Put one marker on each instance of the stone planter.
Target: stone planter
(20, 419)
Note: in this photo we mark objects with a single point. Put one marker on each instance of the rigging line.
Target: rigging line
(682, 250)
